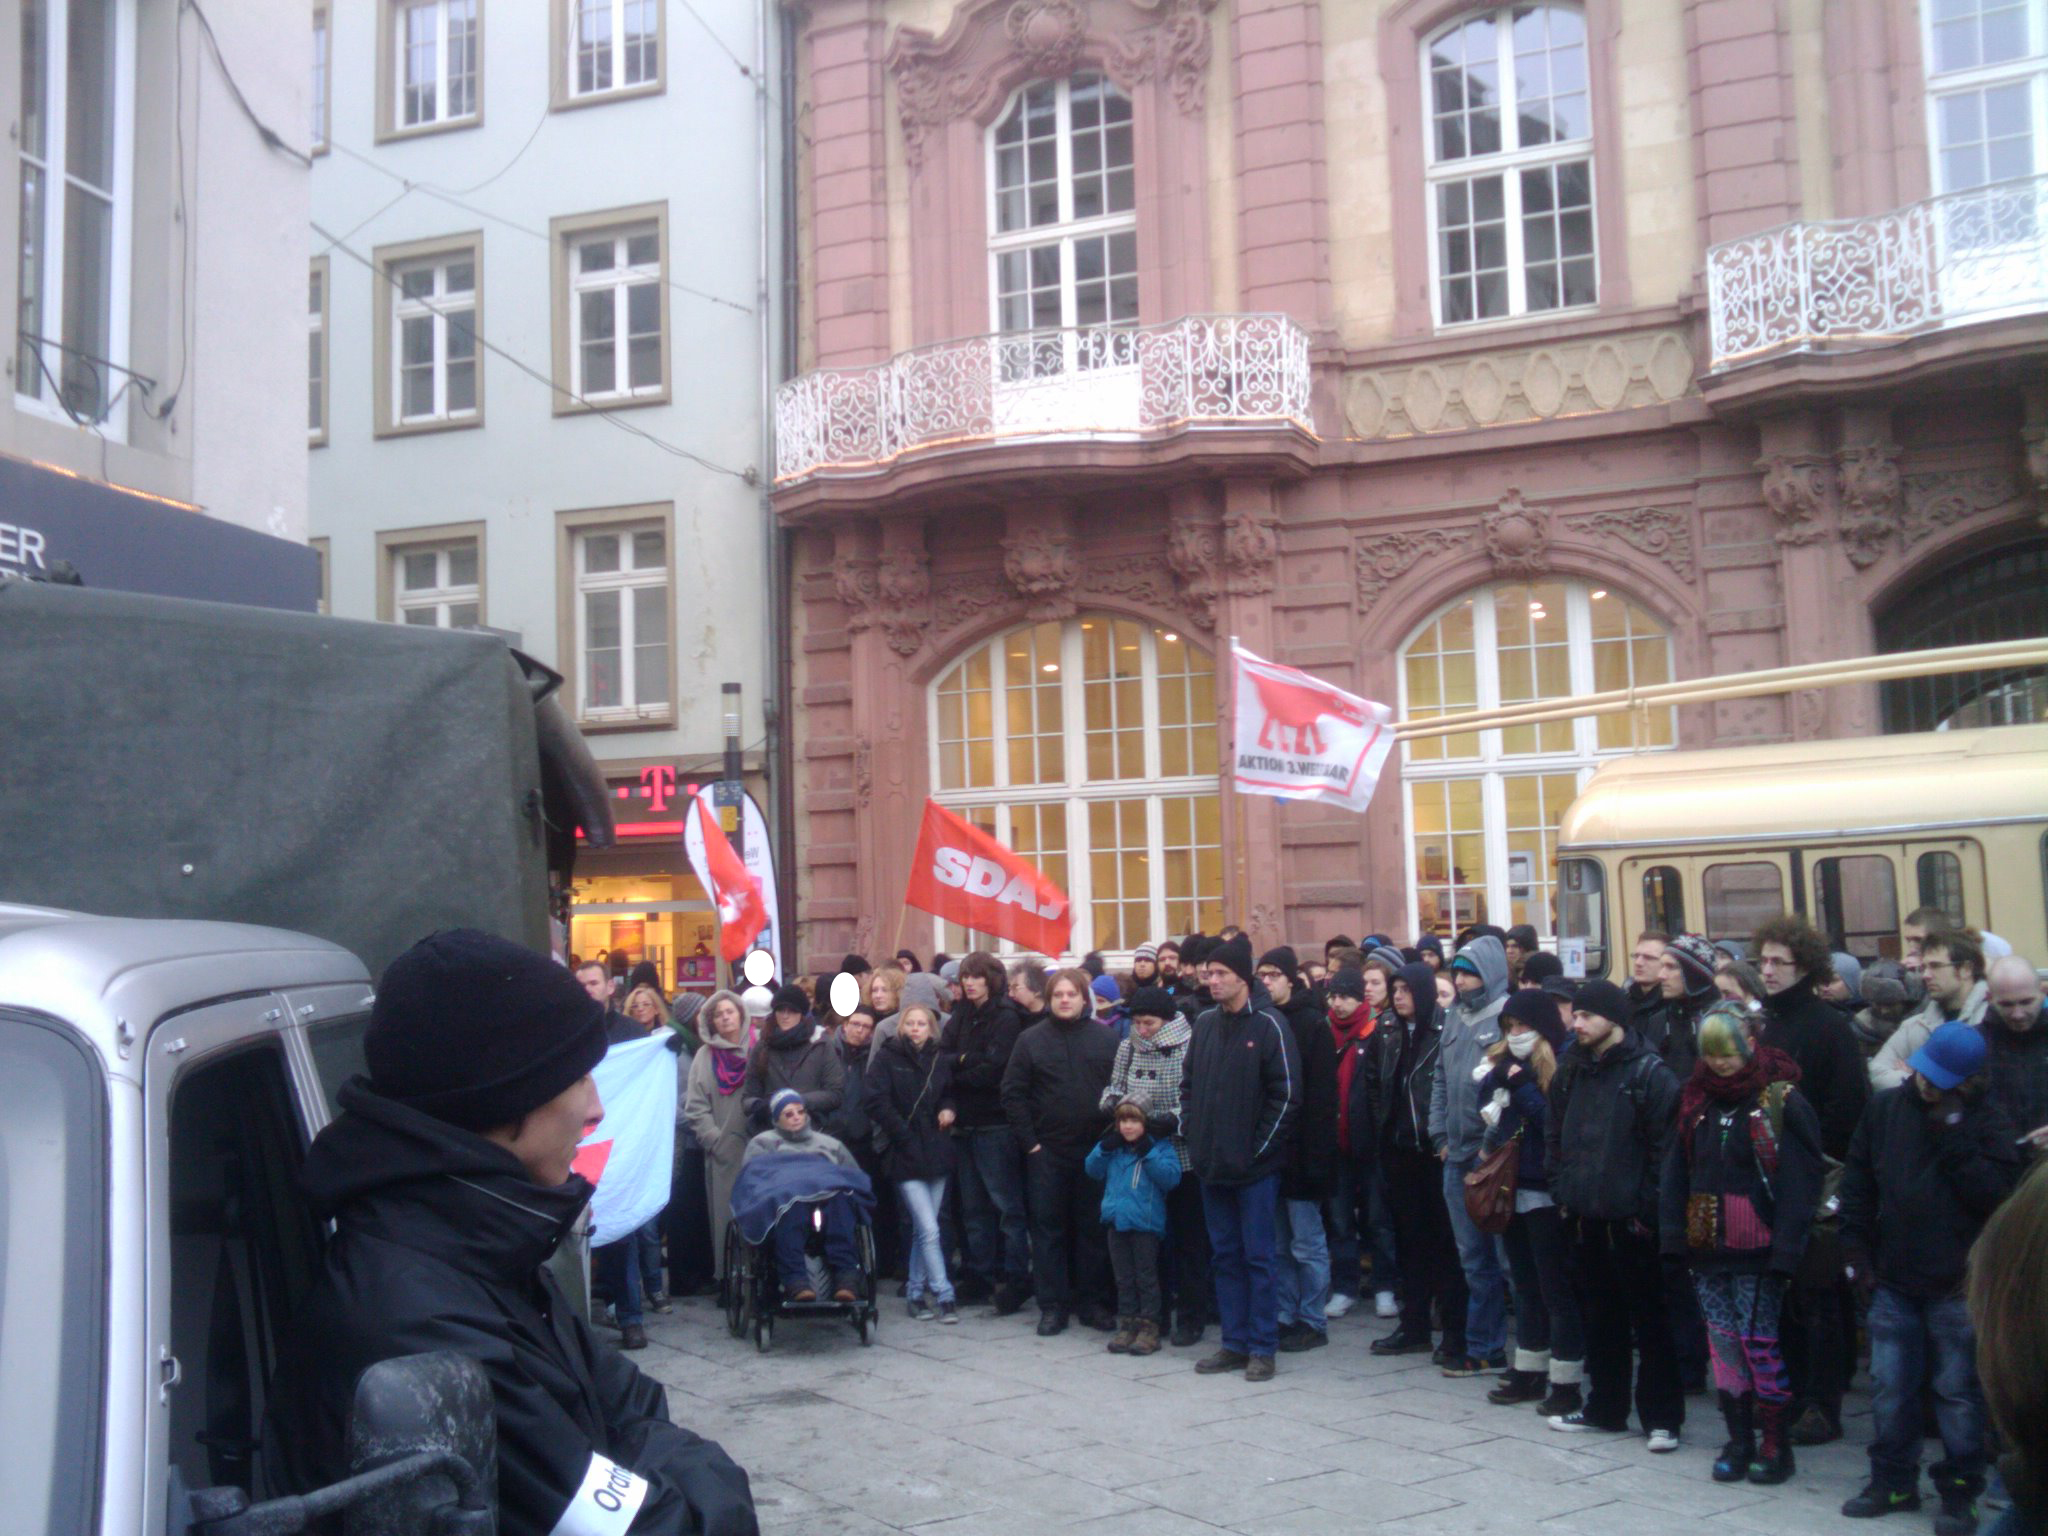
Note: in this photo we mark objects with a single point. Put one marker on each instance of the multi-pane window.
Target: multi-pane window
(434, 586)
(1484, 806)
(1987, 68)
(74, 130)
(622, 620)
(321, 55)
(614, 45)
(433, 339)
(316, 351)
(615, 313)
(1063, 241)
(1510, 164)
(435, 62)
(1089, 746)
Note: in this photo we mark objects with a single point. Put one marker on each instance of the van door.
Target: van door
(1720, 895)
(1856, 898)
(1948, 873)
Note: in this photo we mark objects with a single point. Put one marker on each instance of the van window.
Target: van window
(1856, 903)
(1940, 877)
(337, 1047)
(244, 1250)
(1663, 900)
(1582, 909)
(1739, 896)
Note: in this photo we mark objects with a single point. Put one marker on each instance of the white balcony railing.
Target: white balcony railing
(1953, 259)
(1117, 381)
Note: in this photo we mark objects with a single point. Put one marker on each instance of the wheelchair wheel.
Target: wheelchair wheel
(764, 1333)
(870, 1267)
(866, 1322)
(737, 1291)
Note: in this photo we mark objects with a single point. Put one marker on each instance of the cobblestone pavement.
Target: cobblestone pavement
(986, 1430)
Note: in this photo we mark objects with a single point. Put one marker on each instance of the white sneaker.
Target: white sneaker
(1338, 1304)
(1662, 1440)
(1386, 1304)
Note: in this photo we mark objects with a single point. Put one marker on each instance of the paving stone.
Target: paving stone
(1218, 1497)
(1364, 1498)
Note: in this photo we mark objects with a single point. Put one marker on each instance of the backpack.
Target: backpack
(1767, 1133)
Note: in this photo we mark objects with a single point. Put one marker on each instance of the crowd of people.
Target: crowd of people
(1723, 1175)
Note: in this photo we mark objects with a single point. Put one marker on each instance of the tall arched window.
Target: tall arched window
(1063, 227)
(1483, 808)
(1089, 746)
(1510, 164)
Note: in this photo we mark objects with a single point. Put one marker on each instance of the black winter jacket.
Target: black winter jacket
(849, 1122)
(1312, 1161)
(1611, 1120)
(2017, 1072)
(1362, 1117)
(1052, 1089)
(1526, 1111)
(1241, 1095)
(906, 1089)
(805, 1059)
(1402, 1067)
(439, 1242)
(1917, 1190)
(979, 1038)
(1719, 1161)
(1832, 1072)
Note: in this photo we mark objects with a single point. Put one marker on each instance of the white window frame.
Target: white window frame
(1493, 766)
(2030, 69)
(625, 581)
(1078, 790)
(397, 41)
(57, 189)
(323, 62)
(573, 49)
(1064, 233)
(440, 308)
(620, 278)
(320, 376)
(1508, 164)
(446, 594)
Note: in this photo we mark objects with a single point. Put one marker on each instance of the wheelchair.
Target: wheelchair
(753, 1297)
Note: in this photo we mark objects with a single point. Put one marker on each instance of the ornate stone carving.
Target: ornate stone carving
(1265, 925)
(1383, 558)
(1047, 35)
(1041, 564)
(1140, 580)
(1935, 499)
(1501, 388)
(1867, 474)
(853, 579)
(1796, 490)
(1251, 551)
(926, 98)
(1662, 532)
(1194, 553)
(903, 584)
(1177, 49)
(964, 597)
(863, 771)
(1517, 537)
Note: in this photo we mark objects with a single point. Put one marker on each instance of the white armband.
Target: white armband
(606, 1503)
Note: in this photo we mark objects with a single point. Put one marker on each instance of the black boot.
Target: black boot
(1732, 1465)
(1773, 1463)
(1520, 1387)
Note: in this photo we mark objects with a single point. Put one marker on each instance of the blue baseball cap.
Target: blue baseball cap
(1952, 1053)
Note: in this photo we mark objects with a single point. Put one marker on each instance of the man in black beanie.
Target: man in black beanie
(448, 1176)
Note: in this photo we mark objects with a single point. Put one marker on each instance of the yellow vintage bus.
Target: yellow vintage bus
(1853, 834)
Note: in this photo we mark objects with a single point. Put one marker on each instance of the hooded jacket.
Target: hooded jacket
(906, 1088)
(1312, 1162)
(1832, 1072)
(1888, 1066)
(1155, 1068)
(804, 1058)
(980, 1037)
(923, 989)
(1470, 1026)
(1135, 1179)
(1052, 1088)
(1611, 1120)
(1241, 1095)
(440, 1238)
(1402, 1065)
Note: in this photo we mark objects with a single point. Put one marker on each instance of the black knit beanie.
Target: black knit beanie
(790, 998)
(1284, 960)
(1538, 1010)
(1152, 1003)
(479, 1031)
(1236, 954)
(1347, 983)
(1540, 965)
(1604, 999)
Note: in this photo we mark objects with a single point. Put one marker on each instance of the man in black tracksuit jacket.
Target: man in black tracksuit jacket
(1613, 1112)
(447, 1176)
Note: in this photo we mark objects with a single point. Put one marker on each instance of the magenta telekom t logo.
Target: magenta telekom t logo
(659, 786)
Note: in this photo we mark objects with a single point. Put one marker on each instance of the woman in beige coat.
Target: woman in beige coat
(714, 1107)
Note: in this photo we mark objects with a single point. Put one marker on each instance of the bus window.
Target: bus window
(1582, 909)
(1739, 896)
(1941, 883)
(1663, 900)
(1856, 902)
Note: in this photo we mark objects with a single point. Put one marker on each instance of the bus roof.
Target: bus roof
(1862, 786)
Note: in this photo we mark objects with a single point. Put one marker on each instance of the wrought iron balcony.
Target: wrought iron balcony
(1951, 260)
(1084, 381)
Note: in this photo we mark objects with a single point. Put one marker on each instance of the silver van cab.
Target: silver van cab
(160, 1081)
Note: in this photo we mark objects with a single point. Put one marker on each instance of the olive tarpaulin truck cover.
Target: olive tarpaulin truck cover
(366, 783)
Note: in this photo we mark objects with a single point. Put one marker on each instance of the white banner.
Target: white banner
(633, 1149)
(1301, 738)
(756, 855)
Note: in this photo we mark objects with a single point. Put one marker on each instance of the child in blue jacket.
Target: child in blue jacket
(1136, 1170)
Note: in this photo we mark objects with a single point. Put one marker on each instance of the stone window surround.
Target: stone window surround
(394, 542)
(321, 324)
(563, 233)
(1403, 30)
(950, 90)
(569, 662)
(385, 260)
(387, 126)
(562, 59)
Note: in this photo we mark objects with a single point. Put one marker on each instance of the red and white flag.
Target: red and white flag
(962, 874)
(734, 890)
(1301, 738)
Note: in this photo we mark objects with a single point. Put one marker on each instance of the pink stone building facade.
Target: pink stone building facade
(1459, 353)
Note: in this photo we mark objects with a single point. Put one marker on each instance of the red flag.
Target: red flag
(736, 893)
(962, 874)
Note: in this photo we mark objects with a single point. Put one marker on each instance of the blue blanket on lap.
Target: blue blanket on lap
(768, 1186)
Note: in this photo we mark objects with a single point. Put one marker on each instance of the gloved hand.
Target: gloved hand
(1111, 1139)
(1861, 1275)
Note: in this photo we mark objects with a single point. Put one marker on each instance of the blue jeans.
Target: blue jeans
(922, 1199)
(1914, 1339)
(1486, 1280)
(617, 1268)
(650, 1257)
(793, 1229)
(1301, 1270)
(992, 1205)
(1357, 1209)
(1242, 1222)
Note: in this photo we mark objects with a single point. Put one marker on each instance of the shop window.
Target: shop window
(1856, 899)
(1739, 896)
(1663, 899)
(1089, 746)
(1484, 806)
(1940, 879)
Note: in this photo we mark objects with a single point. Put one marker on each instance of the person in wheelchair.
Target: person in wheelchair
(793, 1135)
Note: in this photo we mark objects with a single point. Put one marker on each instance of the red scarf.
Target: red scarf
(1360, 1027)
(1768, 1065)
